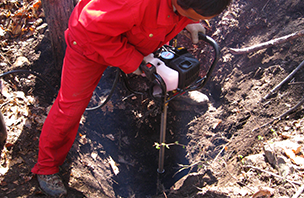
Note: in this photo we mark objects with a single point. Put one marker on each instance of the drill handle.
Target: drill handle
(149, 70)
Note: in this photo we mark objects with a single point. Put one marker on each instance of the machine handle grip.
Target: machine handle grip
(149, 70)
(202, 82)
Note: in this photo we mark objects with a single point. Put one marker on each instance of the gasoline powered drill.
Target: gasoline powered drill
(174, 71)
(176, 66)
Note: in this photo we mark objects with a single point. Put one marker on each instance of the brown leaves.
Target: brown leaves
(295, 155)
(18, 20)
(21, 112)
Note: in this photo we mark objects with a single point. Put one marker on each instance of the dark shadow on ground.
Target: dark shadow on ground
(117, 131)
(19, 181)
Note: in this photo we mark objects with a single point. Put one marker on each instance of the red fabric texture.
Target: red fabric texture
(122, 32)
(101, 33)
(80, 76)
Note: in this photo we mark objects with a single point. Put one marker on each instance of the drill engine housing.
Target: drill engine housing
(179, 59)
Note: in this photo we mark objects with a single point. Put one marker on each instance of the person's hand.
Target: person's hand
(194, 29)
(137, 71)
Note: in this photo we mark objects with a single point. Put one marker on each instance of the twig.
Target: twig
(184, 167)
(267, 44)
(296, 83)
(284, 81)
(265, 5)
(282, 115)
(220, 152)
(125, 98)
(291, 109)
(6, 102)
(6, 59)
(275, 175)
(299, 192)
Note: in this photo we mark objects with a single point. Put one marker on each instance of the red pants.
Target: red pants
(80, 76)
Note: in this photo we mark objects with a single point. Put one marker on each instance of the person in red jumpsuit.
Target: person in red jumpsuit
(102, 33)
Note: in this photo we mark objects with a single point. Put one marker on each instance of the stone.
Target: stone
(186, 101)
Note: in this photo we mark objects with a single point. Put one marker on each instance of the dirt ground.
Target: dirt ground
(237, 145)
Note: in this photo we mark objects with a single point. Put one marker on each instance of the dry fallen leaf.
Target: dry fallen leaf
(27, 178)
(110, 137)
(4, 90)
(216, 124)
(264, 192)
(8, 145)
(113, 165)
(298, 160)
(297, 150)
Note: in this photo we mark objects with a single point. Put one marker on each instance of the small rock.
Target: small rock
(268, 150)
(193, 98)
(186, 101)
(19, 94)
(186, 182)
(211, 108)
(198, 97)
(28, 124)
(243, 192)
(110, 137)
(283, 167)
(255, 160)
(277, 161)
(40, 119)
(94, 155)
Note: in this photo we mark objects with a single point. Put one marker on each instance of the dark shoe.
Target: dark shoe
(52, 185)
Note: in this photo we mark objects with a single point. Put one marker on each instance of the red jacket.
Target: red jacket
(121, 32)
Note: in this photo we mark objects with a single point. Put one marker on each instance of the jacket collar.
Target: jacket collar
(167, 14)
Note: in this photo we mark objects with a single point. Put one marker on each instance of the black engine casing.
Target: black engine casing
(182, 61)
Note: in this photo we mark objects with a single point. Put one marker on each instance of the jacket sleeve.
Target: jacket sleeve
(105, 22)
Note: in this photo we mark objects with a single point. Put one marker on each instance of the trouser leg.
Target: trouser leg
(80, 76)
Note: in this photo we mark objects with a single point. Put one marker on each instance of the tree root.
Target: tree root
(267, 44)
(275, 175)
(282, 115)
(284, 81)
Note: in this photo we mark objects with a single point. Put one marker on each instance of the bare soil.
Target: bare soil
(214, 140)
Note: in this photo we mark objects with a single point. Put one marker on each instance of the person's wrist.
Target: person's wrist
(138, 70)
